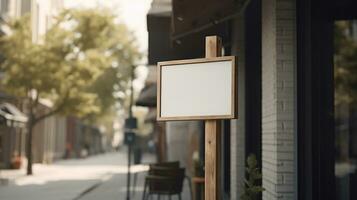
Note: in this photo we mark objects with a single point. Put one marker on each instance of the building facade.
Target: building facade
(296, 92)
(49, 136)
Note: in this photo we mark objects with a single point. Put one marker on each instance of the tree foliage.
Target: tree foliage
(82, 60)
(79, 64)
(345, 62)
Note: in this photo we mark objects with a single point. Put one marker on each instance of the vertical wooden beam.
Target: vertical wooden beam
(212, 136)
(212, 159)
(213, 46)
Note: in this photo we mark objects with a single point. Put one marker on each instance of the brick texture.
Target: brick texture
(278, 98)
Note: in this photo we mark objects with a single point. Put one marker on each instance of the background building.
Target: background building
(53, 139)
(49, 137)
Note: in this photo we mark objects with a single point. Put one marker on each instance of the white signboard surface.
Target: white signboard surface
(196, 89)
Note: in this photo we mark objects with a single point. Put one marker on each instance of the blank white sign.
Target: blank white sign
(197, 90)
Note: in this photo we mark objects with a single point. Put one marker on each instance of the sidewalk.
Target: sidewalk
(115, 189)
(68, 179)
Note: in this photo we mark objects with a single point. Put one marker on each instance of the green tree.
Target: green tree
(82, 60)
(345, 64)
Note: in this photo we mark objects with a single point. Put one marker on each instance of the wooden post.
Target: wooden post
(212, 136)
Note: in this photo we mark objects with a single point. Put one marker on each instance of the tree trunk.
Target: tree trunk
(32, 121)
(29, 145)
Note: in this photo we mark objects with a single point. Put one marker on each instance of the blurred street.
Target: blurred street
(97, 177)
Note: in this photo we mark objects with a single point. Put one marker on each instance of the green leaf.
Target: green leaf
(251, 188)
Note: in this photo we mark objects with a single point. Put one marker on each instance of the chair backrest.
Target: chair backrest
(165, 171)
(166, 180)
(173, 164)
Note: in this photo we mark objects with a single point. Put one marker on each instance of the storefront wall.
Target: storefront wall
(295, 135)
(49, 140)
(60, 137)
(266, 51)
(11, 145)
(278, 99)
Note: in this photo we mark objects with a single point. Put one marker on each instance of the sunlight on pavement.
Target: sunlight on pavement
(84, 179)
(51, 173)
(93, 168)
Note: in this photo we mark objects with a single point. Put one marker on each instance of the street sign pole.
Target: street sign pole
(128, 174)
(212, 136)
(129, 134)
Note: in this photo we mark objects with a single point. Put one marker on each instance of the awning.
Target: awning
(151, 116)
(163, 29)
(192, 16)
(161, 45)
(147, 96)
(160, 7)
(11, 116)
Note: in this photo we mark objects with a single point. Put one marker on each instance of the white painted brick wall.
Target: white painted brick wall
(278, 98)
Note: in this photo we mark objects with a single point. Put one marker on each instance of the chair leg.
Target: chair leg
(190, 186)
(169, 197)
(179, 196)
(158, 197)
(144, 192)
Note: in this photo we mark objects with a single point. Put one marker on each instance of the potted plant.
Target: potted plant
(252, 184)
(16, 162)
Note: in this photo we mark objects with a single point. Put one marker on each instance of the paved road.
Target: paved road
(115, 189)
(98, 177)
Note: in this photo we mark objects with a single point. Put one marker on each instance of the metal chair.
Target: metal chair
(171, 164)
(164, 181)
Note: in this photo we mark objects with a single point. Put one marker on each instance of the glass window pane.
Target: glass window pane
(345, 74)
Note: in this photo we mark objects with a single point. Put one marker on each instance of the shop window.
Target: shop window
(345, 76)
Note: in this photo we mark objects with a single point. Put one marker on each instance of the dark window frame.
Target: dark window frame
(315, 95)
(253, 80)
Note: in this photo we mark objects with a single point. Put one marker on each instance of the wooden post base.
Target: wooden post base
(212, 159)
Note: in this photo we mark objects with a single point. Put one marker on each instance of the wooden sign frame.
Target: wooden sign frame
(177, 63)
(213, 124)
